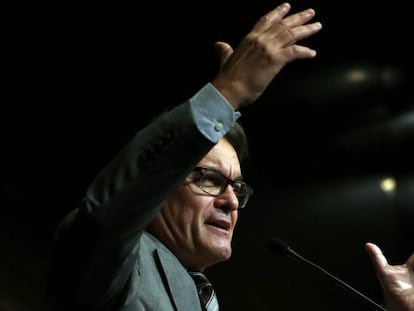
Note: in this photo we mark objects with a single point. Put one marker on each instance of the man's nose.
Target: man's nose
(228, 199)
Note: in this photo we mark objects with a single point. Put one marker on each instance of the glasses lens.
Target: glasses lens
(242, 200)
(243, 194)
(213, 183)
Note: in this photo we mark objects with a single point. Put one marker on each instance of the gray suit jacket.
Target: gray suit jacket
(102, 258)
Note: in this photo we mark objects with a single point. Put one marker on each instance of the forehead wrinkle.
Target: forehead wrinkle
(224, 159)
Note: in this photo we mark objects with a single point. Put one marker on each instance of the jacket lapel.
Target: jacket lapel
(178, 283)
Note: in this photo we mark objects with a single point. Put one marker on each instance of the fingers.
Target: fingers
(277, 18)
(288, 36)
(294, 28)
(283, 31)
(224, 51)
(274, 16)
(298, 51)
(377, 257)
(299, 18)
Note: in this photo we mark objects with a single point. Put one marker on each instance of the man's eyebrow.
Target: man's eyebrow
(237, 178)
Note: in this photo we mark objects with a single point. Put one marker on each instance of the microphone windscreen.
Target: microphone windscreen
(278, 246)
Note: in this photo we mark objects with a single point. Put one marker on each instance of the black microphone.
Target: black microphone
(281, 248)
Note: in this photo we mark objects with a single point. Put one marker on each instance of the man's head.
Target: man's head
(198, 219)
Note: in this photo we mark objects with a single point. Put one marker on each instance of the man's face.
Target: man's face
(196, 226)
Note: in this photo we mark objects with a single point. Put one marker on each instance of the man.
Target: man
(165, 208)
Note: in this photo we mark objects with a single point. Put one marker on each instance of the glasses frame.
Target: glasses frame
(243, 198)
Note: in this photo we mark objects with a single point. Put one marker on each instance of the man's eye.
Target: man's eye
(196, 178)
(213, 180)
(237, 187)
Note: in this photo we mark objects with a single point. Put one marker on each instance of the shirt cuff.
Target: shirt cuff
(213, 114)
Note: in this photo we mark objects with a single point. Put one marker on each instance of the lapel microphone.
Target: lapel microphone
(281, 248)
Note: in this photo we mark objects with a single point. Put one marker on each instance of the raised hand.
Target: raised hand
(272, 43)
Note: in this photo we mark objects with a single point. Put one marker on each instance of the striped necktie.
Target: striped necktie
(206, 292)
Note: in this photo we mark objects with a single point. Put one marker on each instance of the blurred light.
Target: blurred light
(388, 184)
(356, 75)
(403, 122)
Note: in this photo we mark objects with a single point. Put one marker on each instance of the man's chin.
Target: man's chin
(222, 253)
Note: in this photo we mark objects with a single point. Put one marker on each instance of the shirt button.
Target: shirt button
(219, 126)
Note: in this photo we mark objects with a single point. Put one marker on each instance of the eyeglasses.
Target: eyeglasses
(215, 183)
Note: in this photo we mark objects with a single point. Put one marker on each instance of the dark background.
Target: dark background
(80, 78)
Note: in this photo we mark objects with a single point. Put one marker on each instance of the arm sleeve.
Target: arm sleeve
(212, 113)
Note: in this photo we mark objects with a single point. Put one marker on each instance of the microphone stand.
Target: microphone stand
(281, 248)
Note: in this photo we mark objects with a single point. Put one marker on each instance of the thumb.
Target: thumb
(377, 258)
(224, 51)
(376, 255)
